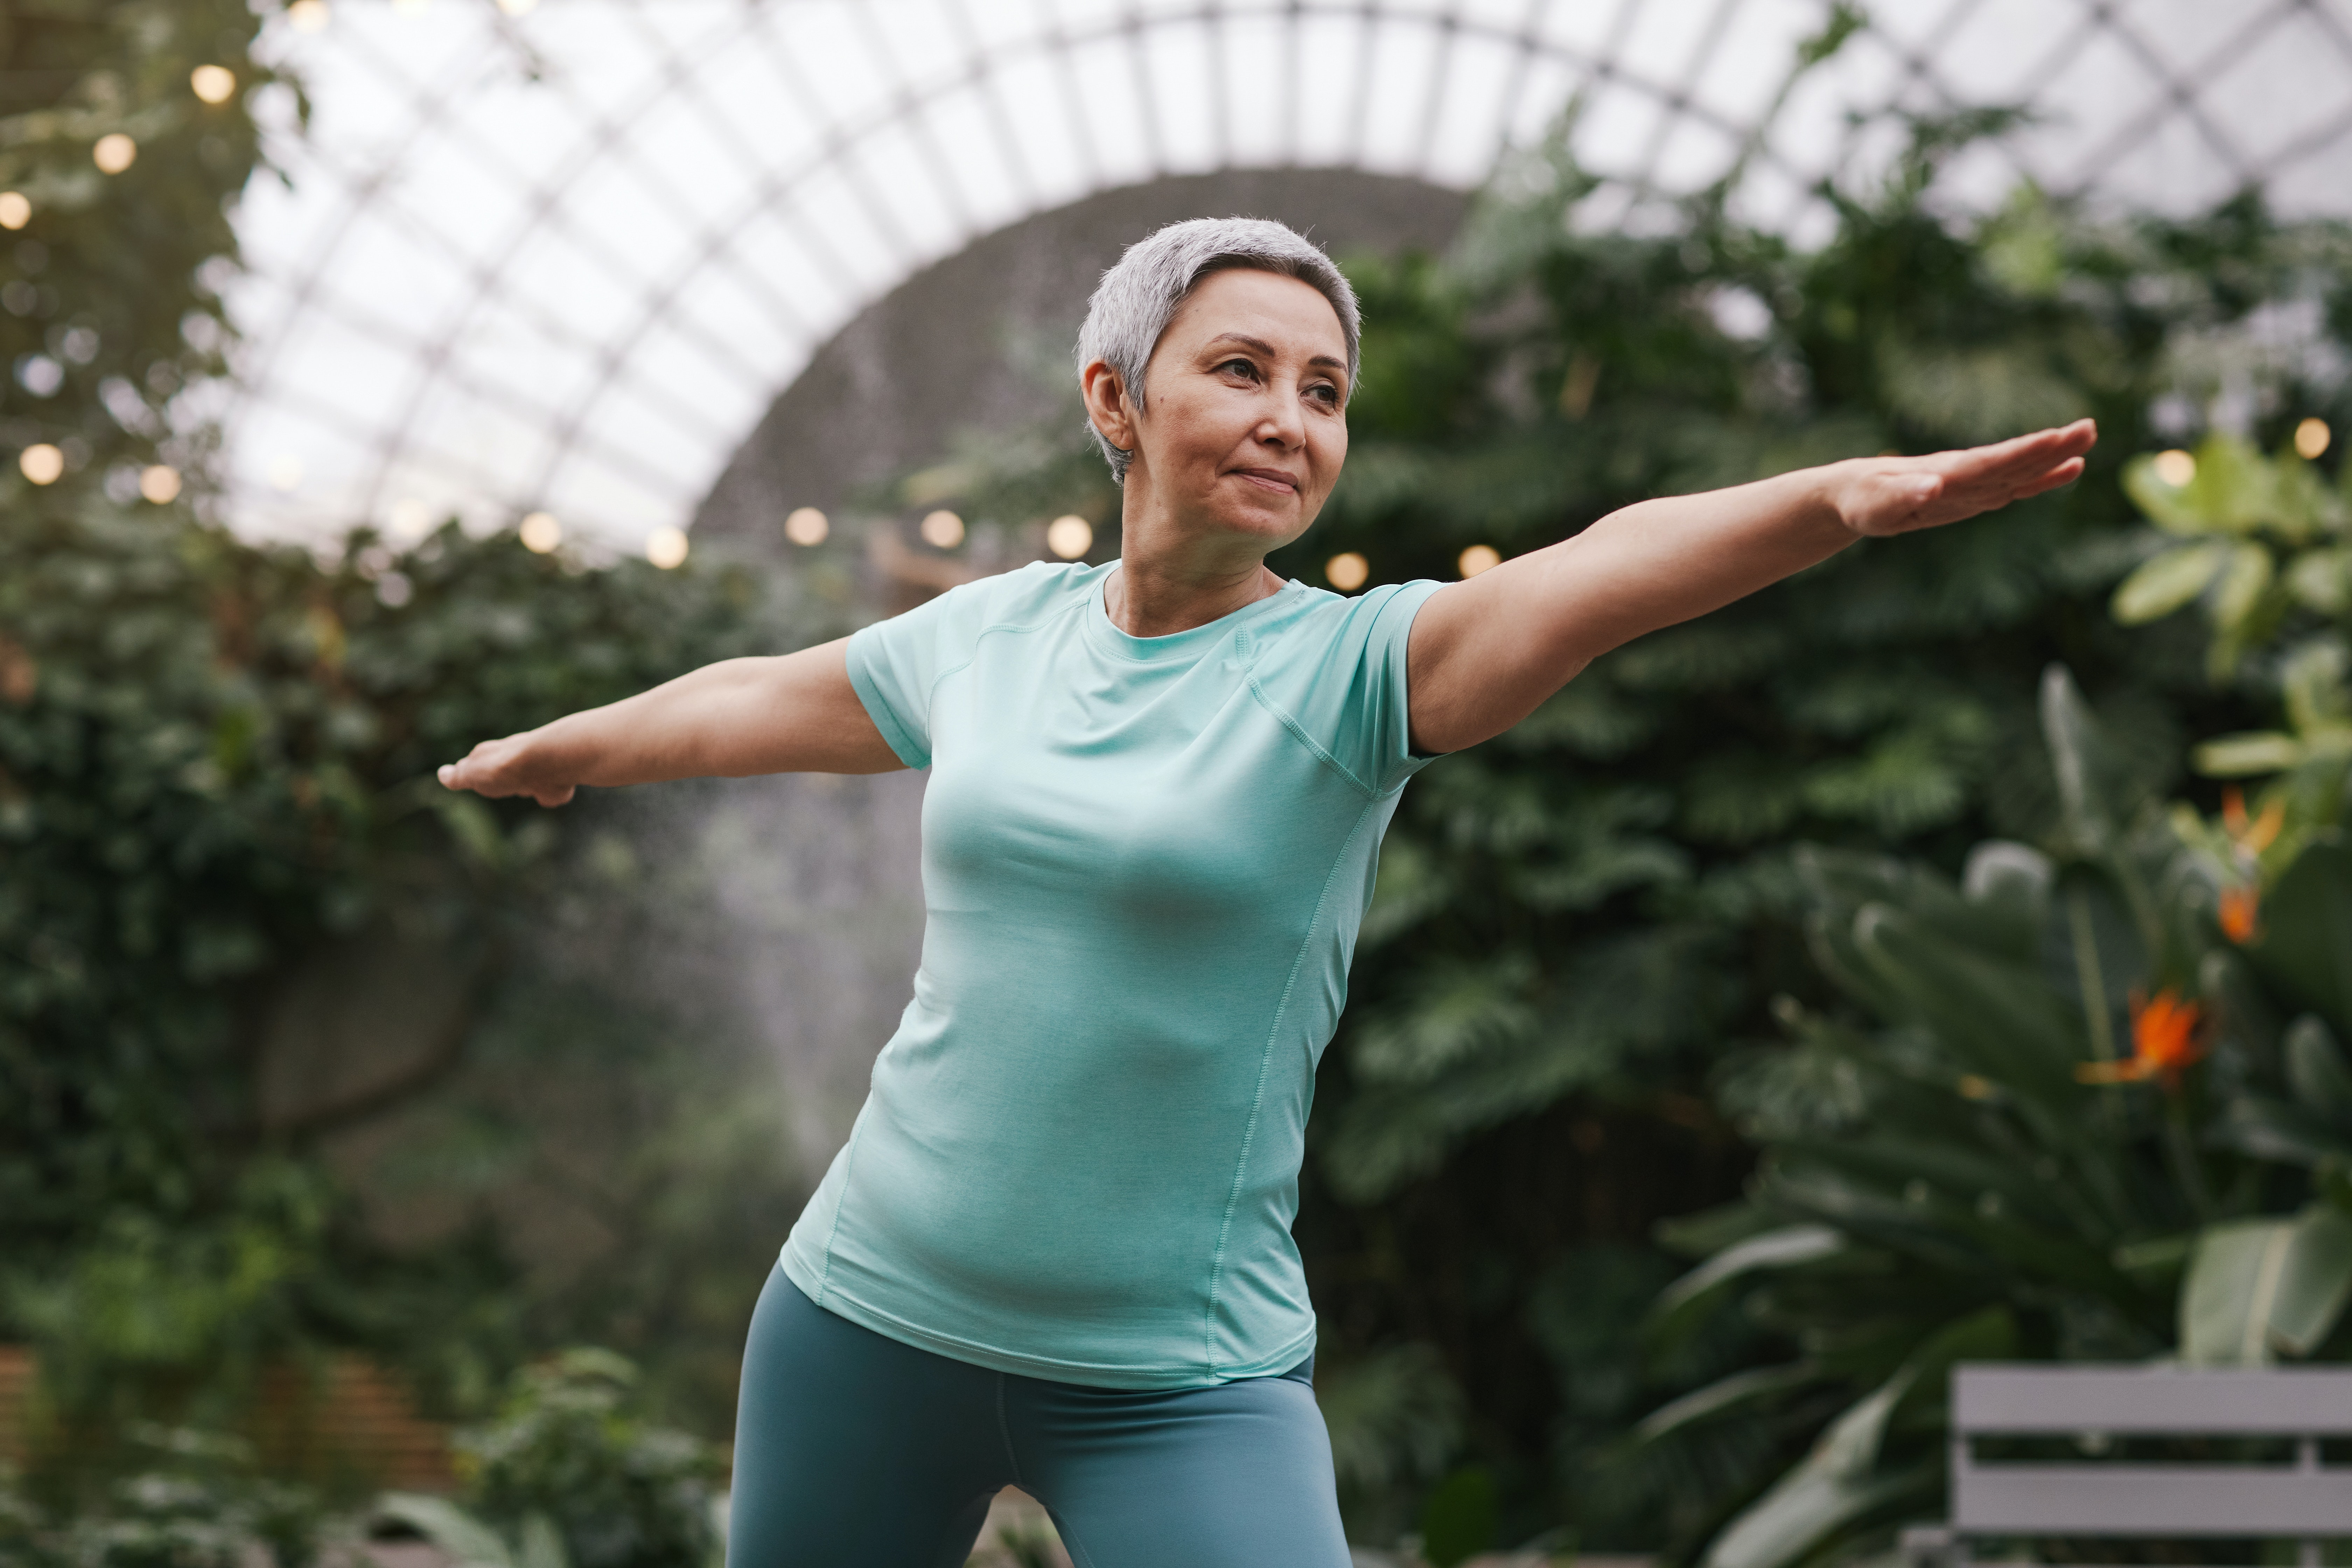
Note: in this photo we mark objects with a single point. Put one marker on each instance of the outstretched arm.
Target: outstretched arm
(1486, 651)
(794, 713)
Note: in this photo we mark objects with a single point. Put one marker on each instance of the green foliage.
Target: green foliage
(194, 1501)
(571, 1475)
(215, 788)
(108, 282)
(2058, 1143)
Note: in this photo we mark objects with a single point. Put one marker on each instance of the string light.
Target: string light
(943, 530)
(16, 209)
(1346, 571)
(213, 83)
(806, 525)
(285, 474)
(1479, 558)
(308, 15)
(160, 483)
(1069, 537)
(2311, 437)
(2175, 467)
(410, 518)
(114, 153)
(517, 7)
(666, 547)
(42, 463)
(541, 532)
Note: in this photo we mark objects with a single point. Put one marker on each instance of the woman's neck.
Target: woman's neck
(1144, 599)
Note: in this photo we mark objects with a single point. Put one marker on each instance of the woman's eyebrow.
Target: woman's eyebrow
(1261, 346)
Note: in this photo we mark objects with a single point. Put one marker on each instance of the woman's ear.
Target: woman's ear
(1106, 404)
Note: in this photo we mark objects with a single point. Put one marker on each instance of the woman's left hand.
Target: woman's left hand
(1876, 496)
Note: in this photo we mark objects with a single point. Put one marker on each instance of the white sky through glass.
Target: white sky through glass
(565, 260)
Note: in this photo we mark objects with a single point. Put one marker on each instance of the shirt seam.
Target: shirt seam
(1257, 1099)
(1298, 732)
(840, 1202)
(1251, 613)
(931, 692)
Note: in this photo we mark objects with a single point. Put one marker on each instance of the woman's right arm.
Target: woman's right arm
(794, 713)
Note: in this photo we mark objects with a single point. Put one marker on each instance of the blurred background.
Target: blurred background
(1939, 956)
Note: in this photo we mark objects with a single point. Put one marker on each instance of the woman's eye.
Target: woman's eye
(1324, 392)
(1239, 368)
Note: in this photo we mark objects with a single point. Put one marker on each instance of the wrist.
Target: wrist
(1832, 489)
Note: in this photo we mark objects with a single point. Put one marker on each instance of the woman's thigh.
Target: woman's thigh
(854, 1448)
(1238, 1475)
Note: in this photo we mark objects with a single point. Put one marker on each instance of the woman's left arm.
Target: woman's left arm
(1486, 651)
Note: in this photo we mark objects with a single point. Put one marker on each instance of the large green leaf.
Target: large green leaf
(1759, 1385)
(2260, 1289)
(2307, 947)
(1841, 1482)
(1997, 1017)
(2164, 583)
(2095, 789)
(467, 1542)
(1694, 1295)
(2316, 1069)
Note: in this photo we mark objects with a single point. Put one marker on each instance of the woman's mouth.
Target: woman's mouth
(1271, 479)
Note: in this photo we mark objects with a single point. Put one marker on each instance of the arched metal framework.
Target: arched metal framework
(564, 258)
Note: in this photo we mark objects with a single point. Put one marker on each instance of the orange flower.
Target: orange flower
(2166, 1039)
(2241, 910)
(2256, 836)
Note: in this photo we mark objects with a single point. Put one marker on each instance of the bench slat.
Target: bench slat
(2304, 1402)
(2152, 1499)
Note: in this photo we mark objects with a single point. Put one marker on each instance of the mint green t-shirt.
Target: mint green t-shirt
(1145, 860)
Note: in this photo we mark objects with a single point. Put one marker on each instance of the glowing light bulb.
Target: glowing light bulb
(2311, 437)
(285, 474)
(213, 83)
(517, 7)
(308, 15)
(541, 532)
(666, 547)
(2175, 467)
(114, 153)
(806, 525)
(943, 530)
(16, 209)
(1479, 558)
(42, 463)
(1346, 571)
(1069, 537)
(160, 483)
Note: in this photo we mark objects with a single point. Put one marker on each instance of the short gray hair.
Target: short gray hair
(1138, 296)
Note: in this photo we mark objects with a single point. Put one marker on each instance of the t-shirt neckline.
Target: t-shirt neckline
(1189, 643)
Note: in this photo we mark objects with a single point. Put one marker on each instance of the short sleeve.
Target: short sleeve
(1341, 676)
(896, 665)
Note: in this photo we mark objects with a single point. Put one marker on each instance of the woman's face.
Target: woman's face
(1245, 424)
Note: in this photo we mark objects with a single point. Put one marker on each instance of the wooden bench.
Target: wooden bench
(2302, 1500)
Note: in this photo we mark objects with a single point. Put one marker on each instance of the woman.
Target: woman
(1056, 1251)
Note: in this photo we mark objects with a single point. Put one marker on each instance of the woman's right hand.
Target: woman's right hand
(504, 767)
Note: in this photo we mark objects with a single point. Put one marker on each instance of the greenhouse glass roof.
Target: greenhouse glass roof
(562, 255)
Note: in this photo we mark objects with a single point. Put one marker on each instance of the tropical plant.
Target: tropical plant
(2088, 1125)
(572, 1475)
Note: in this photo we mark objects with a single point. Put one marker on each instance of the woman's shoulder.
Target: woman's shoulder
(1311, 616)
(1027, 594)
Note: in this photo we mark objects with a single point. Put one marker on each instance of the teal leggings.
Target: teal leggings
(856, 1451)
